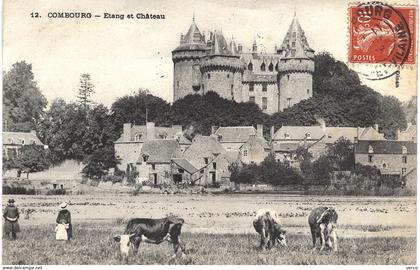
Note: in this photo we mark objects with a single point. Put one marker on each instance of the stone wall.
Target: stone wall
(393, 162)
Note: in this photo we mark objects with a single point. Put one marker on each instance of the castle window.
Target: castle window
(251, 87)
(404, 159)
(403, 170)
(293, 44)
(404, 150)
(277, 67)
(23, 141)
(289, 102)
(294, 34)
(264, 87)
(231, 91)
(288, 77)
(208, 76)
(250, 66)
(307, 91)
(228, 76)
(252, 99)
(308, 135)
(153, 166)
(370, 158)
(270, 67)
(384, 165)
(202, 86)
(263, 67)
(145, 158)
(293, 53)
(177, 83)
(264, 103)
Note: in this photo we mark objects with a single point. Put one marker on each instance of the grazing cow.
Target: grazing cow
(267, 224)
(154, 231)
(323, 222)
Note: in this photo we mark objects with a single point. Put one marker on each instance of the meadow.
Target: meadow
(218, 230)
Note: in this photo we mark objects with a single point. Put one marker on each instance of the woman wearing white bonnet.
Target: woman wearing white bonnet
(64, 217)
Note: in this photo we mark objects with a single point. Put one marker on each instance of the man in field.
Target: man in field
(323, 223)
(11, 216)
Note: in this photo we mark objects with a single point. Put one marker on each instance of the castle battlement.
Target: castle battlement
(296, 65)
(216, 62)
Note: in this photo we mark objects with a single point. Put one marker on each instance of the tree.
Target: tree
(342, 153)
(99, 162)
(23, 102)
(86, 90)
(33, 158)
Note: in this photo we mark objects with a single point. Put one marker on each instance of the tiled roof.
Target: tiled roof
(17, 138)
(370, 133)
(160, 133)
(235, 134)
(256, 141)
(203, 147)
(219, 44)
(299, 132)
(185, 164)
(385, 147)
(348, 133)
(295, 39)
(193, 40)
(160, 151)
(285, 147)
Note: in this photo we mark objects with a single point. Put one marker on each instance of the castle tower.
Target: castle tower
(296, 67)
(222, 69)
(186, 58)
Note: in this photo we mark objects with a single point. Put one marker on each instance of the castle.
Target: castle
(274, 81)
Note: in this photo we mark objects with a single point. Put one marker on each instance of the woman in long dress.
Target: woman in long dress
(64, 217)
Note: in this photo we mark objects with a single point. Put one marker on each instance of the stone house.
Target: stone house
(211, 160)
(254, 150)
(155, 159)
(129, 145)
(13, 141)
(232, 138)
(390, 157)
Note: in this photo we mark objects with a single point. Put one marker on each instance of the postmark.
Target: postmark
(383, 35)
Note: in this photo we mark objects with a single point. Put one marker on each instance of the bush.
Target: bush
(56, 192)
(12, 190)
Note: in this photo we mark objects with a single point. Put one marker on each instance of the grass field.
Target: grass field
(218, 230)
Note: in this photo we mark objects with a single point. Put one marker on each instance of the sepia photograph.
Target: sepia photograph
(209, 132)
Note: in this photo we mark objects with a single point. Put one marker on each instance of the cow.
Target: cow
(323, 223)
(267, 224)
(154, 231)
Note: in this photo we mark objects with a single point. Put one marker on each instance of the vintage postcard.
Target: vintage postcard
(209, 132)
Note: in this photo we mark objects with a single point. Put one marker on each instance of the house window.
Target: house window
(206, 160)
(145, 158)
(404, 150)
(251, 87)
(153, 167)
(250, 66)
(264, 103)
(384, 165)
(10, 140)
(263, 67)
(23, 141)
(264, 87)
(308, 135)
(137, 137)
(228, 76)
(181, 170)
(403, 170)
(252, 99)
(286, 135)
(32, 141)
(214, 165)
(404, 159)
(370, 158)
(245, 153)
(289, 102)
(202, 171)
(370, 149)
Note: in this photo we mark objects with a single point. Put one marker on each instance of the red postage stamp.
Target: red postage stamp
(382, 33)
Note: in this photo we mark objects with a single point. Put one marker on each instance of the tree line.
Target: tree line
(85, 130)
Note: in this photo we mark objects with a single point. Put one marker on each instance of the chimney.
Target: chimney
(376, 127)
(259, 131)
(272, 132)
(150, 131)
(213, 130)
(127, 132)
(239, 48)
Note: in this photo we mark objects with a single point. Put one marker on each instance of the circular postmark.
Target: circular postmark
(380, 35)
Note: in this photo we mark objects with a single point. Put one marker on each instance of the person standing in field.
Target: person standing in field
(11, 216)
(64, 217)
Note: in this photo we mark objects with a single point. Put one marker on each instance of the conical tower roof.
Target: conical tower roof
(193, 40)
(220, 46)
(295, 44)
(233, 47)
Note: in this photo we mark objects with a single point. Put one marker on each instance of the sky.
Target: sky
(125, 55)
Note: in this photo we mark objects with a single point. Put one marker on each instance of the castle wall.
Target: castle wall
(186, 76)
(294, 87)
(221, 82)
(270, 96)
